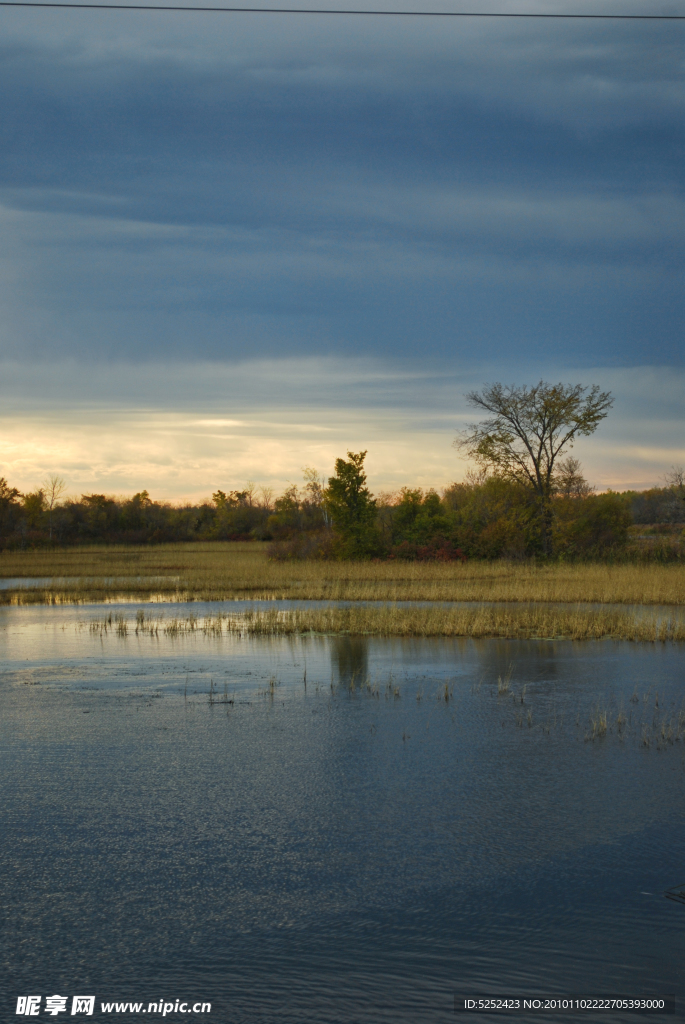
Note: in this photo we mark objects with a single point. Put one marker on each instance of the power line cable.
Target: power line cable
(308, 10)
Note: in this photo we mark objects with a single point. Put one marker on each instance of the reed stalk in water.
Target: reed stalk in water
(525, 622)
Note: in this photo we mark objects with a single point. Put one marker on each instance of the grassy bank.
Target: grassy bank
(524, 622)
(215, 571)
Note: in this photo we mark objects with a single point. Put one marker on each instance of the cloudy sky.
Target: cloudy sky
(237, 244)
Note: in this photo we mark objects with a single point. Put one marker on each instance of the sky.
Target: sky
(235, 245)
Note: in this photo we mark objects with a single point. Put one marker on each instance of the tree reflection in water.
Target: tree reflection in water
(350, 659)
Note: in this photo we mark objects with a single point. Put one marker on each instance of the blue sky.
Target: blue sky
(318, 224)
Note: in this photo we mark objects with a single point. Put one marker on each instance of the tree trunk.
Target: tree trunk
(546, 525)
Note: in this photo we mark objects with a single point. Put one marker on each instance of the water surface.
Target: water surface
(279, 825)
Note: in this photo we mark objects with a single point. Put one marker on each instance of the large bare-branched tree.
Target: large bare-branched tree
(53, 489)
(528, 429)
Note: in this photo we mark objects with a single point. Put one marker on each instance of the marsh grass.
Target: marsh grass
(598, 724)
(543, 622)
(224, 571)
(664, 731)
(504, 682)
(651, 723)
(660, 732)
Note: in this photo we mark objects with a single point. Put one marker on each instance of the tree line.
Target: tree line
(527, 497)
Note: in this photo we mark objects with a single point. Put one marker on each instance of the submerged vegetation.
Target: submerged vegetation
(226, 571)
(525, 622)
(653, 719)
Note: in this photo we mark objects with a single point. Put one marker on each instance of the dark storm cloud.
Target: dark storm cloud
(240, 188)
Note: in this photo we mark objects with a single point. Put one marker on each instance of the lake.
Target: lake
(339, 829)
